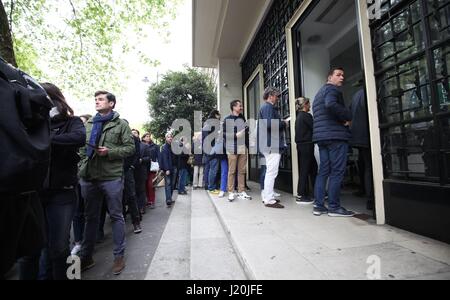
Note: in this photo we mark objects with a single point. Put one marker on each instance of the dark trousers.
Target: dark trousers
(78, 218)
(168, 187)
(365, 171)
(59, 208)
(206, 173)
(333, 163)
(22, 228)
(308, 169)
(129, 195)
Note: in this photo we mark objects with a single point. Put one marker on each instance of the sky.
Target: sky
(172, 55)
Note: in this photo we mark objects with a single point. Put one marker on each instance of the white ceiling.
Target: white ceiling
(223, 28)
(337, 36)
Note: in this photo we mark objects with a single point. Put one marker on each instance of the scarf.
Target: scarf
(99, 122)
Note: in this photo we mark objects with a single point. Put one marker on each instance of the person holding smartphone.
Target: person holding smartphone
(235, 134)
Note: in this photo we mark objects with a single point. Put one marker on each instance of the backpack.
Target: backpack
(24, 132)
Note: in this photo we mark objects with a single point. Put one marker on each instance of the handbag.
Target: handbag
(158, 181)
(154, 166)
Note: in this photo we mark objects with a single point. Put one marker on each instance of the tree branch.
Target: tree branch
(11, 15)
(80, 34)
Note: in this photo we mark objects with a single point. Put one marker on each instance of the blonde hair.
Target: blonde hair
(300, 103)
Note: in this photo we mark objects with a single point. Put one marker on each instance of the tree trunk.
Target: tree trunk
(6, 43)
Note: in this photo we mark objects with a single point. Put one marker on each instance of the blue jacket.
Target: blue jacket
(330, 114)
(267, 113)
(166, 158)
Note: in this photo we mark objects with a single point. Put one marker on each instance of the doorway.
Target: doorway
(325, 36)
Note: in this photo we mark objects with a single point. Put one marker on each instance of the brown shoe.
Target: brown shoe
(275, 205)
(119, 265)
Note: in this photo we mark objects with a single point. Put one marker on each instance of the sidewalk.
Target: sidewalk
(292, 244)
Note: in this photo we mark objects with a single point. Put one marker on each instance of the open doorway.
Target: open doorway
(327, 36)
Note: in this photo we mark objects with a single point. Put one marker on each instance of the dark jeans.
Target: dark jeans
(93, 192)
(262, 176)
(59, 209)
(365, 171)
(78, 218)
(213, 169)
(182, 179)
(22, 231)
(168, 187)
(206, 173)
(333, 163)
(101, 223)
(174, 179)
(308, 169)
(129, 194)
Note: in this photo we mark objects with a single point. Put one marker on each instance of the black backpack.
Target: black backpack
(24, 132)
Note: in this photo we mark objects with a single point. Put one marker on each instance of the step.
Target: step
(212, 255)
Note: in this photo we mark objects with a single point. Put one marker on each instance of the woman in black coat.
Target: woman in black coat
(59, 196)
(305, 149)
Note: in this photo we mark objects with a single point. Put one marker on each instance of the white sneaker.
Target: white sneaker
(76, 249)
(221, 194)
(231, 197)
(276, 195)
(244, 195)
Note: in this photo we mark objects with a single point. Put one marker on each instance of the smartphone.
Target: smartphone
(92, 146)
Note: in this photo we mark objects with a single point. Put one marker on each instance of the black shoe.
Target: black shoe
(303, 200)
(169, 203)
(137, 229)
(87, 263)
(341, 212)
(318, 211)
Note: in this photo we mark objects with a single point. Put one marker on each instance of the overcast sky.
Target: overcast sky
(172, 55)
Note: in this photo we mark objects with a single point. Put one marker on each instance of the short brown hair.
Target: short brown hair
(109, 96)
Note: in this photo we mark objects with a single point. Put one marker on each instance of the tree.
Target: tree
(6, 43)
(82, 45)
(178, 96)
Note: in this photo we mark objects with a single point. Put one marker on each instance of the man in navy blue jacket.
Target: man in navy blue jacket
(332, 134)
(271, 143)
(166, 165)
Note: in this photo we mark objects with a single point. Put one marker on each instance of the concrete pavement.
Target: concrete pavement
(293, 244)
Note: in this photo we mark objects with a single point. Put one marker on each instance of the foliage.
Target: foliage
(82, 45)
(178, 96)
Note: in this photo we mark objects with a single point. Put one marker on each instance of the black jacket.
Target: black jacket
(133, 160)
(67, 135)
(360, 125)
(231, 141)
(304, 128)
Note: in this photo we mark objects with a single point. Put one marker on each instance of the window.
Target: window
(411, 56)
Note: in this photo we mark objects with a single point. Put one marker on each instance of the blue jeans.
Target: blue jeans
(59, 208)
(262, 176)
(224, 174)
(93, 192)
(333, 163)
(206, 173)
(213, 168)
(183, 174)
(168, 187)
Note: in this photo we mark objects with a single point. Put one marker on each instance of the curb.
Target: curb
(242, 261)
